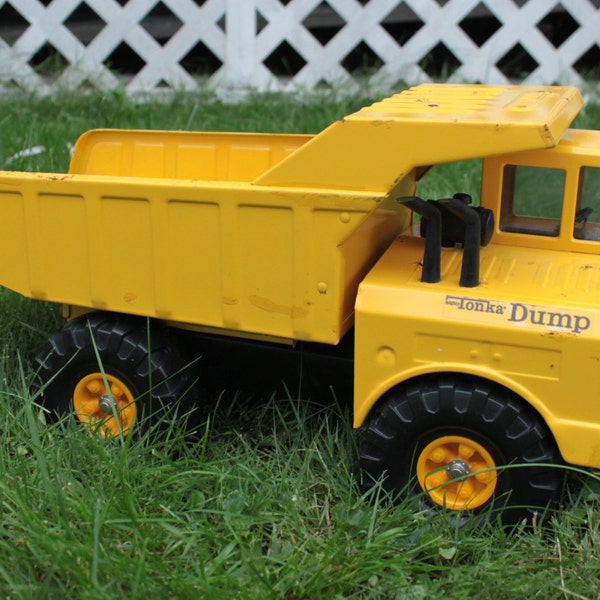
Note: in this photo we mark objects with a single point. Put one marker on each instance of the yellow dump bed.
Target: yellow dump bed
(181, 154)
(260, 234)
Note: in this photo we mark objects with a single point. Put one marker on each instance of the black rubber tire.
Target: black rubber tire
(128, 351)
(411, 416)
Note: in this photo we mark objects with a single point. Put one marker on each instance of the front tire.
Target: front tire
(114, 373)
(464, 445)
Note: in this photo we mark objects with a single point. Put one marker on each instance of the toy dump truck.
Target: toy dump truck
(472, 331)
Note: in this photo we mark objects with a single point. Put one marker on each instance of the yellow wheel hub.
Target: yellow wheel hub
(111, 411)
(457, 472)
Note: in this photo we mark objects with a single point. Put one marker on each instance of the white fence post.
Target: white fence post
(240, 44)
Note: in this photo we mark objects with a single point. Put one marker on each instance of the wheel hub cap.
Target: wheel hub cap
(457, 472)
(110, 411)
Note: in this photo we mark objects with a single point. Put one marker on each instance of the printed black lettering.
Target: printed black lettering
(559, 320)
(523, 313)
(537, 317)
(581, 323)
(518, 313)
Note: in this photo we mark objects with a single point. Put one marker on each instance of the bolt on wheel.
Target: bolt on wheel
(112, 411)
(456, 472)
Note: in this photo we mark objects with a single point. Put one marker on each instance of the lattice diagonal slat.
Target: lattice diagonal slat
(275, 44)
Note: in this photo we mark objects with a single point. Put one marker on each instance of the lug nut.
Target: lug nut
(457, 468)
(106, 404)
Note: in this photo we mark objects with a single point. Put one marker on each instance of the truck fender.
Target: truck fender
(363, 409)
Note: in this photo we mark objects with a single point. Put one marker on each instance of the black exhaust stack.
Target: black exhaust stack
(469, 273)
(433, 240)
(451, 222)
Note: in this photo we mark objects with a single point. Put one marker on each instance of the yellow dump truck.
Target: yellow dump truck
(471, 331)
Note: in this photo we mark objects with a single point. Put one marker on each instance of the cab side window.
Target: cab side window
(587, 214)
(532, 200)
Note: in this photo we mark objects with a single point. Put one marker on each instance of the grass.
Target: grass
(55, 123)
(265, 503)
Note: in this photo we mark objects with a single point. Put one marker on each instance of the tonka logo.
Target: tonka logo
(476, 305)
(521, 313)
(526, 314)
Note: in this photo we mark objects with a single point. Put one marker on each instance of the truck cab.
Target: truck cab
(522, 340)
(547, 199)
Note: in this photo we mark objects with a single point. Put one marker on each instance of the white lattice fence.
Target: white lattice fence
(272, 44)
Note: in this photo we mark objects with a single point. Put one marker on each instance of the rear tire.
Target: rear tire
(149, 381)
(448, 441)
